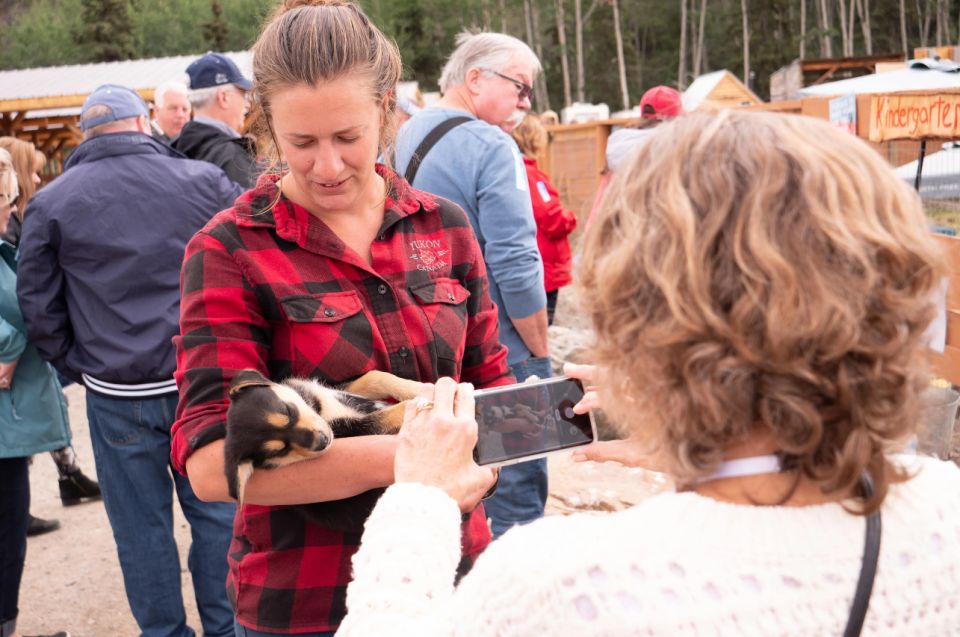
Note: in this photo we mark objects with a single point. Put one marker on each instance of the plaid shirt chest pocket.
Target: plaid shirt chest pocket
(444, 303)
(328, 332)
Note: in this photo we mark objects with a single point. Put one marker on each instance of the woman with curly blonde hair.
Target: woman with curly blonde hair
(759, 286)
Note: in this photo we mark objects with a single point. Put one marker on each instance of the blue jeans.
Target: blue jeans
(243, 631)
(522, 490)
(131, 447)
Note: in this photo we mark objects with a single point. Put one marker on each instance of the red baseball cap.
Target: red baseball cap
(661, 102)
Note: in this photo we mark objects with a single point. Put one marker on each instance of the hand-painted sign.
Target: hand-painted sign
(935, 116)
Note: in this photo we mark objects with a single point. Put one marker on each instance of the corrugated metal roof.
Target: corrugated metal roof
(78, 79)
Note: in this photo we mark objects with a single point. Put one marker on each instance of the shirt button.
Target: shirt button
(329, 311)
(381, 289)
(403, 352)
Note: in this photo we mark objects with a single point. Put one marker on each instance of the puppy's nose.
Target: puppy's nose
(321, 442)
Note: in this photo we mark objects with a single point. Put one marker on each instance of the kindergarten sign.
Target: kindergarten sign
(914, 116)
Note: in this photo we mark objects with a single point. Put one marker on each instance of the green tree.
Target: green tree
(215, 30)
(42, 35)
(107, 30)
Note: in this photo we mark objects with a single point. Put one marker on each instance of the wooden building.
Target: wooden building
(42, 105)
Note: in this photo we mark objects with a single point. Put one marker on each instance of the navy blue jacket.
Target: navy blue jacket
(100, 256)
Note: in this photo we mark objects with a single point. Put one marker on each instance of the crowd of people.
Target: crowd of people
(758, 286)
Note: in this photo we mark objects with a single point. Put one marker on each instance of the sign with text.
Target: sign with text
(914, 116)
(843, 113)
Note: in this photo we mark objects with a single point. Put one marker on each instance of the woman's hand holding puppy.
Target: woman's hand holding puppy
(435, 444)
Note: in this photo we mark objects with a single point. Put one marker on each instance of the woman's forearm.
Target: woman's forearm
(349, 466)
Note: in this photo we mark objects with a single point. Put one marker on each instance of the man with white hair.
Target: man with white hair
(99, 287)
(220, 96)
(171, 111)
(456, 149)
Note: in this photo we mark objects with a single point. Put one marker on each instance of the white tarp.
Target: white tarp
(920, 75)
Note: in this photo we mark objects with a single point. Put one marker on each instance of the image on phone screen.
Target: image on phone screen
(529, 420)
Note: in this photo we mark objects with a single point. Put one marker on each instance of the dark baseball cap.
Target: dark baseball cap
(216, 69)
(122, 102)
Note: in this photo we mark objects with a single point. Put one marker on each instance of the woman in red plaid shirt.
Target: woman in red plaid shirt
(331, 268)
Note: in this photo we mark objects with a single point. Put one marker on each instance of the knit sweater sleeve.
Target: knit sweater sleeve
(403, 573)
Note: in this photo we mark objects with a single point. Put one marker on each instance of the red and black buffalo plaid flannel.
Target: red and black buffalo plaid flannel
(274, 289)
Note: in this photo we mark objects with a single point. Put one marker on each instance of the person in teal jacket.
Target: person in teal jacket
(33, 414)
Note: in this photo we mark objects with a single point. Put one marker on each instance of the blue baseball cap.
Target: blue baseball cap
(216, 69)
(122, 102)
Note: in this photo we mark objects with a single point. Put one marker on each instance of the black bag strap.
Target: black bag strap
(868, 569)
(428, 142)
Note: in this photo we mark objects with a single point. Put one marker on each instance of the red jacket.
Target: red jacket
(554, 225)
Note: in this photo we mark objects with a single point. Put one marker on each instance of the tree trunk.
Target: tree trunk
(486, 15)
(621, 66)
(923, 22)
(844, 33)
(682, 63)
(826, 43)
(503, 16)
(941, 23)
(578, 36)
(564, 61)
(863, 13)
(698, 47)
(903, 29)
(746, 44)
(543, 96)
(803, 29)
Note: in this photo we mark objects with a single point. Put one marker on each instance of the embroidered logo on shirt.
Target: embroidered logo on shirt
(428, 253)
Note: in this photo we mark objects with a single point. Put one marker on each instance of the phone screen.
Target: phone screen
(530, 419)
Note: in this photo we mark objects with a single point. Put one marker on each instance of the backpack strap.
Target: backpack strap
(428, 142)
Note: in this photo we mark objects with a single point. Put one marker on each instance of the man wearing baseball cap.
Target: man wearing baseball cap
(657, 105)
(98, 283)
(219, 94)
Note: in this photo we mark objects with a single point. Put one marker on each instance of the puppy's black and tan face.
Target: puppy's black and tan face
(271, 424)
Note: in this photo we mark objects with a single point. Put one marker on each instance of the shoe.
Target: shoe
(75, 487)
(39, 526)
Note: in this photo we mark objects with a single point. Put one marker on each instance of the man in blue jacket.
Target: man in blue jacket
(98, 284)
(487, 79)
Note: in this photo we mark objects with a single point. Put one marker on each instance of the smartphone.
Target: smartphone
(530, 420)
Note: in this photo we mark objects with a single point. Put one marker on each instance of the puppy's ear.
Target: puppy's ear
(248, 378)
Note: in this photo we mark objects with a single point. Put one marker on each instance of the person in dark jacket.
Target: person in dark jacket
(98, 283)
(219, 94)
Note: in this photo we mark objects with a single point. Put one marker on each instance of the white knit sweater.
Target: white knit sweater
(676, 564)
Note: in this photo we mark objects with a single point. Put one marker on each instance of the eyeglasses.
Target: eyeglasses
(525, 91)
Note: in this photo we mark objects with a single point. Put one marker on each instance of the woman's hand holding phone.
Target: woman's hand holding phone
(435, 444)
(629, 452)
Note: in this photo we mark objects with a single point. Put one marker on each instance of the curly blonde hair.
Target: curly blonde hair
(759, 272)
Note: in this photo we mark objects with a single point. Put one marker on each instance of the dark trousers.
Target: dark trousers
(552, 297)
(14, 507)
